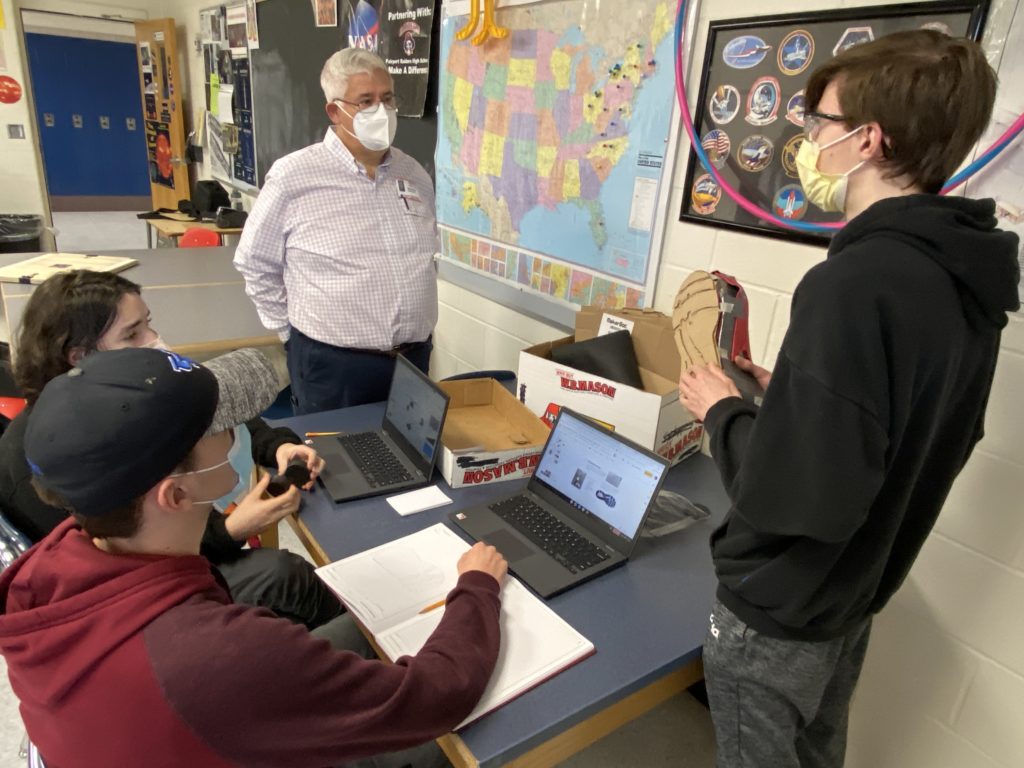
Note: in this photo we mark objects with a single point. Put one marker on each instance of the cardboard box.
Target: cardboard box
(488, 436)
(651, 417)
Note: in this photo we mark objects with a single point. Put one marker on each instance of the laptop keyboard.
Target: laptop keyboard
(374, 459)
(549, 533)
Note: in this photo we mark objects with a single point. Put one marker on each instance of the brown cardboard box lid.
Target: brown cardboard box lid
(652, 333)
(483, 415)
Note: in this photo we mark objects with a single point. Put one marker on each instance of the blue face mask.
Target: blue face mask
(240, 458)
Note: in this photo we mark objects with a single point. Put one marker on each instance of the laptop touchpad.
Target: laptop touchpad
(511, 546)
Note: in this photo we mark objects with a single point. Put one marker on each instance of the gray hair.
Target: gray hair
(342, 65)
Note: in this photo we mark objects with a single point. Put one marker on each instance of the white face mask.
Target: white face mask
(157, 343)
(825, 190)
(374, 127)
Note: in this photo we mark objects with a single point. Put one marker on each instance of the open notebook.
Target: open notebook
(37, 269)
(387, 587)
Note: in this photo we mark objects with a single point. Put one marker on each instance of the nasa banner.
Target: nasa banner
(398, 31)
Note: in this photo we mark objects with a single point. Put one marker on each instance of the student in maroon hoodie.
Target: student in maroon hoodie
(108, 623)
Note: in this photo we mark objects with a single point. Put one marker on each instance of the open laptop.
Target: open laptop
(581, 513)
(398, 456)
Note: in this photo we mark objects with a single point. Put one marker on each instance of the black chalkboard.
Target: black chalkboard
(288, 105)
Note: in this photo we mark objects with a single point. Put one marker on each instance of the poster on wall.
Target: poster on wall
(252, 32)
(212, 26)
(326, 12)
(235, 24)
(220, 165)
(750, 106)
(158, 146)
(399, 31)
(549, 177)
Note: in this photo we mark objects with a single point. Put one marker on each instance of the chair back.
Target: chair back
(197, 237)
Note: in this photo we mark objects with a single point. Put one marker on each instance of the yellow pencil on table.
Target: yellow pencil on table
(433, 606)
(322, 434)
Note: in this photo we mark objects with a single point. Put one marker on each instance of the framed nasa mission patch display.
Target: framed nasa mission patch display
(749, 115)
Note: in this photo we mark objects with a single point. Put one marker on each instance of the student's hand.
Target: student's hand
(254, 514)
(703, 386)
(485, 558)
(289, 451)
(762, 375)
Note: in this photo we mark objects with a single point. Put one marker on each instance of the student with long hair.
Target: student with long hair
(77, 313)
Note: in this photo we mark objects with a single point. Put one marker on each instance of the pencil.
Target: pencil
(433, 606)
(322, 434)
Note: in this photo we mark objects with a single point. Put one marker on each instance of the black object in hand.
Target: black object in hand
(296, 473)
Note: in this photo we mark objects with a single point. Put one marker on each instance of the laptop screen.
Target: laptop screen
(415, 409)
(603, 476)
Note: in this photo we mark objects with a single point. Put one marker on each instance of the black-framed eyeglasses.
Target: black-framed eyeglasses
(390, 102)
(814, 121)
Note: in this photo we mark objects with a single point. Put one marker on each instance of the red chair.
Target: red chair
(197, 237)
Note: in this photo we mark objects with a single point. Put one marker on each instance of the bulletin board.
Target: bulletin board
(750, 106)
(229, 129)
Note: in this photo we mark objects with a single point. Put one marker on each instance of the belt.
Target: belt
(399, 349)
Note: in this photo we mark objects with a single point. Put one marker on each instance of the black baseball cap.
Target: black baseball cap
(107, 431)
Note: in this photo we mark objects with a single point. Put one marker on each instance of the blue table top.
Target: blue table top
(646, 619)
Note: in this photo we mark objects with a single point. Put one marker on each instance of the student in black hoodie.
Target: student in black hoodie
(877, 398)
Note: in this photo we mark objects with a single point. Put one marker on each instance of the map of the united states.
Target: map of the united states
(542, 118)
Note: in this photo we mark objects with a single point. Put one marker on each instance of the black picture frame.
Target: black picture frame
(772, 130)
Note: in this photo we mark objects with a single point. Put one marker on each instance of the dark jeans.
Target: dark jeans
(281, 581)
(779, 703)
(325, 377)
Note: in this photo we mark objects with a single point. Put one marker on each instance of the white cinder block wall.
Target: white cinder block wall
(943, 686)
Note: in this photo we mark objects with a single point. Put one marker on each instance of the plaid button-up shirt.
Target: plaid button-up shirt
(346, 259)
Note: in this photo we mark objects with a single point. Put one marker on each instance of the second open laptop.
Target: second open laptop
(581, 513)
(400, 455)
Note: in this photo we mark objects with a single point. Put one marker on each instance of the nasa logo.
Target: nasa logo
(789, 155)
(724, 104)
(795, 108)
(796, 52)
(706, 195)
(763, 101)
(851, 37)
(790, 202)
(364, 27)
(745, 52)
(755, 153)
(717, 145)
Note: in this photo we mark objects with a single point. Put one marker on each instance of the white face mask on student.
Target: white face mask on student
(825, 190)
(373, 127)
(156, 343)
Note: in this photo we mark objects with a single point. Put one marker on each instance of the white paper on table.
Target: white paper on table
(418, 500)
(224, 108)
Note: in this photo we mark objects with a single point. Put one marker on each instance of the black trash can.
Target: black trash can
(20, 233)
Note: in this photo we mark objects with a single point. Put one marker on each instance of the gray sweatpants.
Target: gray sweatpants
(779, 703)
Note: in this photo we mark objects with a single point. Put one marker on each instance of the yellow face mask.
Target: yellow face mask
(825, 190)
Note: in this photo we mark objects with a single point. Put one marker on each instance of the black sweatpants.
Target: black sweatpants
(281, 581)
(779, 703)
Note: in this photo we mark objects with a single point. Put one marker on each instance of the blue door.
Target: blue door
(89, 114)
